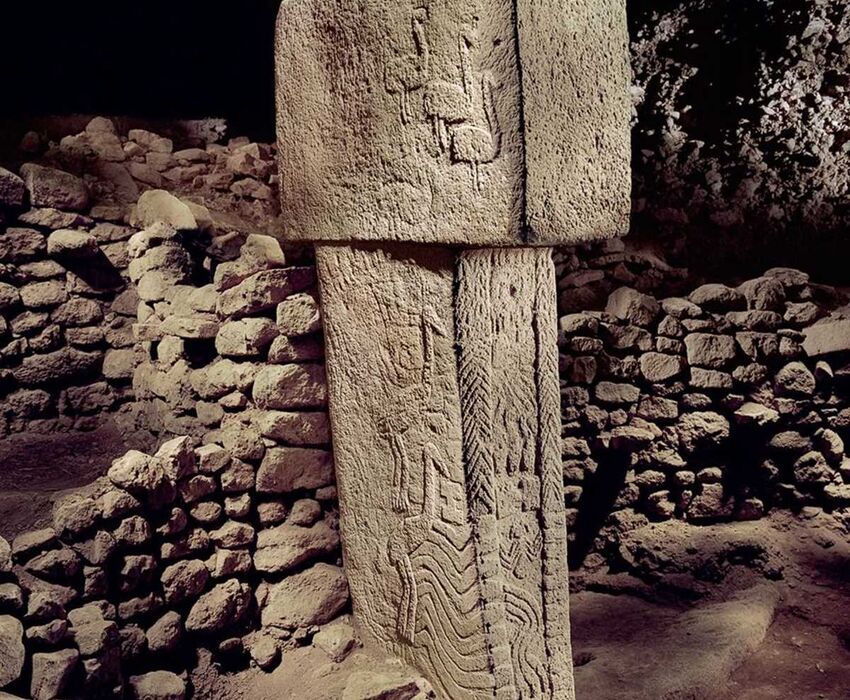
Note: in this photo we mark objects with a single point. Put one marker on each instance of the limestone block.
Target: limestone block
(445, 409)
(49, 187)
(453, 122)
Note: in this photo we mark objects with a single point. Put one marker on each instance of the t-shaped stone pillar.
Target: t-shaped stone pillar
(433, 149)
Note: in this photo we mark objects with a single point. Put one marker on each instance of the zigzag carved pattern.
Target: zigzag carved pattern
(473, 319)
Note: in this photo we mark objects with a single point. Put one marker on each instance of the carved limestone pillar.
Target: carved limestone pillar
(433, 150)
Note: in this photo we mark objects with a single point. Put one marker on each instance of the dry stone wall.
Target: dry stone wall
(228, 535)
(719, 404)
(66, 347)
(170, 552)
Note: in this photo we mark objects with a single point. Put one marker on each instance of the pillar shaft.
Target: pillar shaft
(446, 425)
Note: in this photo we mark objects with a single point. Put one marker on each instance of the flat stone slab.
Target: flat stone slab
(826, 338)
(454, 121)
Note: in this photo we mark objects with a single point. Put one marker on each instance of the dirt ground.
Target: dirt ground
(34, 468)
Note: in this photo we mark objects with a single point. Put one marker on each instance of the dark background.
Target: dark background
(145, 58)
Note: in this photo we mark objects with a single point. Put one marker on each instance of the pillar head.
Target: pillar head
(462, 122)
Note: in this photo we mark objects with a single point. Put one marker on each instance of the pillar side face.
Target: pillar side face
(464, 122)
(446, 423)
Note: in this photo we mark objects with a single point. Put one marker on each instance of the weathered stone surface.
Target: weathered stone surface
(20, 244)
(157, 685)
(795, 379)
(615, 393)
(337, 640)
(164, 634)
(400, 378)
(290, 386)
(701, 430)
(718, 297)
(285, 349)
(221, 608)
(66, 243)
(828, 337)
(457, 151)
(299, 315)
(285, 547)
(49, 187)
(287, 469)
(57, 366)
(256, 254)
(5, 556)
(247, 337)
(630, 305)
(764, 294)
(294, 428)
(264, 290)
(311, 597)
(394, 684)
(39, 295)
(710, 379)
(708, 350)
(51, 673)
(658, 367)
(222, 377)
(12, 189)
(159, 206)
(184, 580)
(12, 654)
(812, 470)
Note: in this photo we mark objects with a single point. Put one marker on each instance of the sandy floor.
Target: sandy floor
(34, 468)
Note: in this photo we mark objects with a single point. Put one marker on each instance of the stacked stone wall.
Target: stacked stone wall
(66, 310)
(720, 404)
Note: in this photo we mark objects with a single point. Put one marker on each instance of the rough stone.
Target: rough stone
(702, 430)
(164, 635)
(58, 366)
(632, 306)
(184, 580)
(222, 607)
(311, 597)
(795, 379)
(658, 367)
(707, 350)
(718, 297)
(247, 337)
(49, 187)
(614, 393)
(157, 685)
(21, 244)
(285, 547)
(51, 673)
(290, 386)
(337, 640)
(155, 206)
(264, 290)
(287, 469)
(475, 164)
(826, 338)
(12, 190)
(12, 653)
(764, 294)
(66, 243)
(393, 684)
(299, 315)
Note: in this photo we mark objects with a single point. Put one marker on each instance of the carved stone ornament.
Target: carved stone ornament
(449, 463)
(481, 129)
(468, 122)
